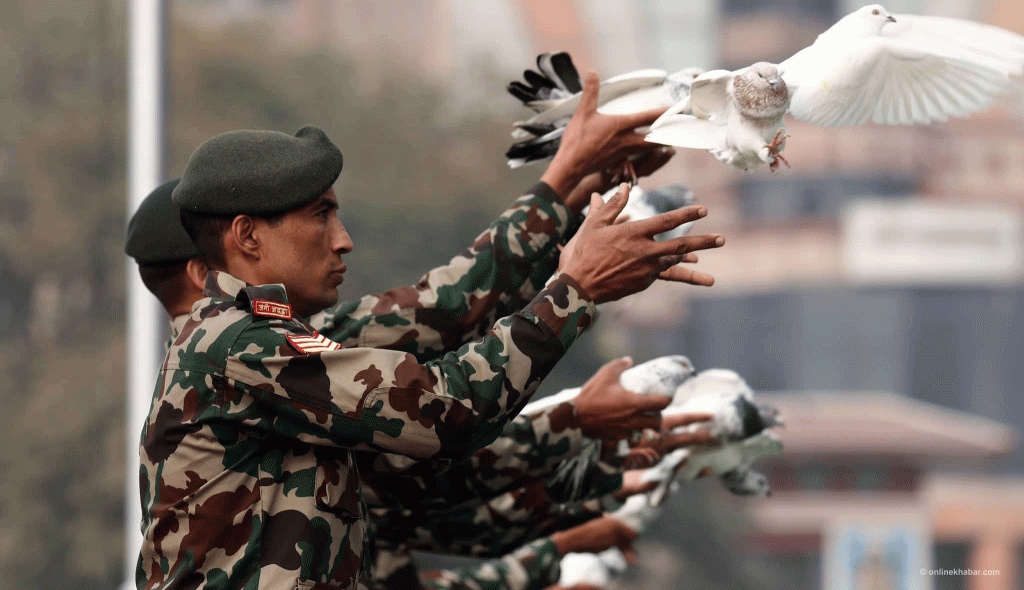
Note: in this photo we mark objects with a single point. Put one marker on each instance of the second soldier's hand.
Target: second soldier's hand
(611, 261)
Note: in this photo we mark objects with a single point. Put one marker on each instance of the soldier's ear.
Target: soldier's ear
(243, 237)
(196, 271)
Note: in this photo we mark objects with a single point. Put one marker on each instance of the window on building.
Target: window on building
(868, 477)
(814, 477)
(787, 199)
(825, 9)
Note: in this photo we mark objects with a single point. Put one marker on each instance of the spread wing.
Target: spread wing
(709, 94)
(611, 89)
(698, 121)
(921, 69)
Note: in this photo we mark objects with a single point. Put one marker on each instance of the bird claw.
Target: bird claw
(775, 152)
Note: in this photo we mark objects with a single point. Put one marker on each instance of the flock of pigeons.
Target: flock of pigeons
(871, 66)
(740, 424)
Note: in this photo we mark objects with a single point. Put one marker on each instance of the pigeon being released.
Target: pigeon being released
(643, 204)
(660, 376)
(739, 422)
(870, 66)
(554, 91)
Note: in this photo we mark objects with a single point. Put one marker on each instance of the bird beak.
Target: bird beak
(775, 83)
(890, 19)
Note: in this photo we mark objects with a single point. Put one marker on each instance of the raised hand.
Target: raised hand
(612, 260)
(595, 141)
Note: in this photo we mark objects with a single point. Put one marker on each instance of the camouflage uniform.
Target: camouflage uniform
(486, 506)
(247, 476)
(493, 527)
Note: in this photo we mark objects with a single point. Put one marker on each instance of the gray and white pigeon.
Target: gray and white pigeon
(870, 66)
(554, 92)
(659, 376)
(740, 423)
(643, 204)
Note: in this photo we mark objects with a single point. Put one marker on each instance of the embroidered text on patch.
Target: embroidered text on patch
(313, 344)
(271, 309)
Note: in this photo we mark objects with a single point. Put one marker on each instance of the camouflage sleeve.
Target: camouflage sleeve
(502, 271)
(528, 450)
(532, 567)
(487, 529)
(386, 400)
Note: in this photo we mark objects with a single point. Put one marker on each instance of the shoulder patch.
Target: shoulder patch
(312, 344)
(271, 309)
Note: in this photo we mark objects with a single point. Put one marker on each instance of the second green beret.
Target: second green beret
(155, 234)
(258, 172)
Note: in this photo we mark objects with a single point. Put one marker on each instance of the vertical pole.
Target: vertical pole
(146, 23)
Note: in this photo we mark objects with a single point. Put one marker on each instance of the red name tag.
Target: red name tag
(271, 309)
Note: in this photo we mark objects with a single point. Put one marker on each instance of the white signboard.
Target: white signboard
(889, 242)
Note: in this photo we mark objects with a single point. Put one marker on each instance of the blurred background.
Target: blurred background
(873, 291)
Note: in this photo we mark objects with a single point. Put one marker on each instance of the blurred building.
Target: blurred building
(873, 488)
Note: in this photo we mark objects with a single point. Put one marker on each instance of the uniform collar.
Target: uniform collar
(177, 323)
(222, 285)
(270, 301)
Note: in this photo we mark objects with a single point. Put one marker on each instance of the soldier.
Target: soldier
(247, 473)
(172, 270)
(169, 262)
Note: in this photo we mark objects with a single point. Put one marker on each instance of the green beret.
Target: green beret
(155, 234)
(261, 173)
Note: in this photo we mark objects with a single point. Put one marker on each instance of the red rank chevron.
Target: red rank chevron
(312, 344)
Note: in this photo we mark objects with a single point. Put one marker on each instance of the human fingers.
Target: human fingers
(677, 420)
(675, 440)
(679, 274)
(680, 246)
(667, 262)
(669, 220)
(607, 211)
(610, 371)
(591, 88)
(642, 119)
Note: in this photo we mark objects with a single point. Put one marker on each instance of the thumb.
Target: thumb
(612, 370)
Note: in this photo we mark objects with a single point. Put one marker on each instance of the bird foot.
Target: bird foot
(774, 150)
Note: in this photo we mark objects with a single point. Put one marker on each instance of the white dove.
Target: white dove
(870, 66)
(554, 93)
(599, 569)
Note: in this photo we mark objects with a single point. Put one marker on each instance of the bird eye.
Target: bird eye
(875, 12)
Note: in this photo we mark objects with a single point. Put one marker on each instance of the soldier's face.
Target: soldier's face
(303, 251)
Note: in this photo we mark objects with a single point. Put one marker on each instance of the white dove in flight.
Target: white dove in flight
(870, 66)
(554, 92)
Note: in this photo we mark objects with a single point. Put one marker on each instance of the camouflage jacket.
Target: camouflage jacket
(531, 567)
(503, 270)
(247, 478)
